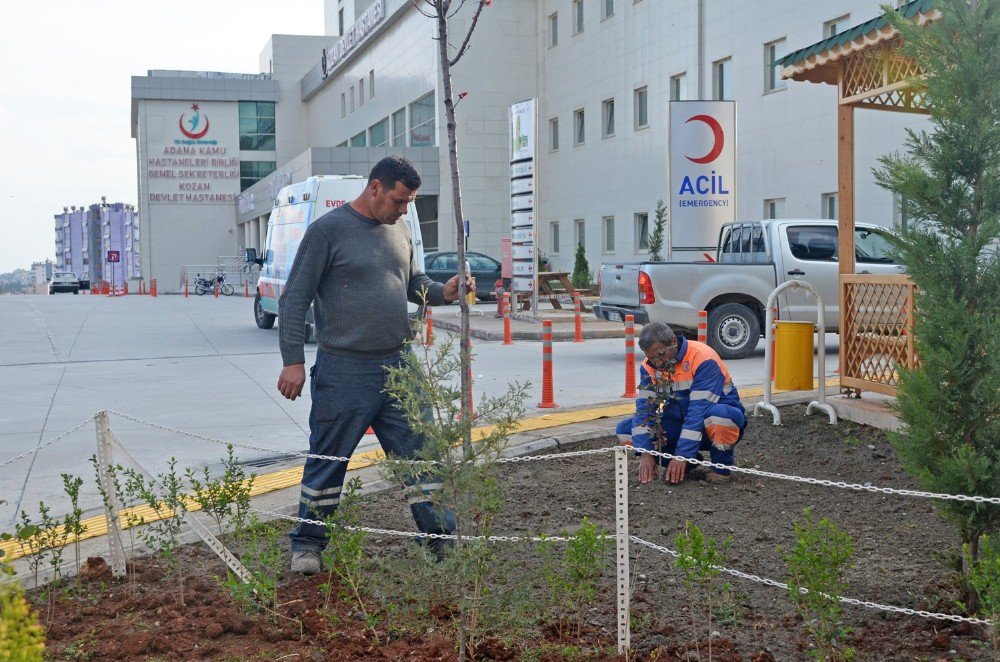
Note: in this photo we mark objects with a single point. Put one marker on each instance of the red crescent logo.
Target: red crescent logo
(193, 136)
(717, 135)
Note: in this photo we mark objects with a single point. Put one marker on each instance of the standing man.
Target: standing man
(688, 387)
(357, 264)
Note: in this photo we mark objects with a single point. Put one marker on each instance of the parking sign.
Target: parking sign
(114, 256)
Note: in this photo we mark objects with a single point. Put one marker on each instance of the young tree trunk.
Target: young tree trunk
(456, 194)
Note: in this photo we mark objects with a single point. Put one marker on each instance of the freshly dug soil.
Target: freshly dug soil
(904, 555)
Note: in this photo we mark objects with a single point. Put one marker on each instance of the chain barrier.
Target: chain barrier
(822, 482)
(845, 600)
(416, 534)
(47, 443)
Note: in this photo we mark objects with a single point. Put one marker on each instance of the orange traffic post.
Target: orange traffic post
(507, 340)
(578, 335)
(185, 289)
(630, 391)
(429, 338)
(216, 289)
(548, 398)
(125, 288)
(702, 326)
(246, 289)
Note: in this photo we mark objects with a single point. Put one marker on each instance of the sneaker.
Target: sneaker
(717, 478)
(306, 562)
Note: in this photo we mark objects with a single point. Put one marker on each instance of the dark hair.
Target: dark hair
(655, 332)
(394, 169)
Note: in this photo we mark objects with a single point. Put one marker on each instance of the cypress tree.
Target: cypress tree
(949, 182)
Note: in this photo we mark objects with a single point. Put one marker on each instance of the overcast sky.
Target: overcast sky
(65, 99)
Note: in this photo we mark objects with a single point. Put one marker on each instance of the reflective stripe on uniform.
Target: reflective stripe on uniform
(319, 503)
(645, 394)
(640, 429)
(683, 385)
(692, 435)
(704, 395)
(625, 439)
(722, 430)
(308, 491)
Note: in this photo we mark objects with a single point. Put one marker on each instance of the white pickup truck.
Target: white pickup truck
(752, 259)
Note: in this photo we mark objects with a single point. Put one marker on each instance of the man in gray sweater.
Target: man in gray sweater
(357, 266)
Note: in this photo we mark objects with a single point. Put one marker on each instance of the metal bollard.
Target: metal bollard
(548, 398)
(630, 391)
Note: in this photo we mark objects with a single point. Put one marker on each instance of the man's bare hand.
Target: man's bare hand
(647, 468)
(675, 471)
(450, 292)
(291, 380)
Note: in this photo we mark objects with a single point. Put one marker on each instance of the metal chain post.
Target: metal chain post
(112, 504)
(621, 547)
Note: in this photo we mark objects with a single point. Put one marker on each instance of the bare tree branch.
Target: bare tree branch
(457, 10)
(468, 36)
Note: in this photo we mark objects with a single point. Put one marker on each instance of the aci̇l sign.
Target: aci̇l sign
(702, 161)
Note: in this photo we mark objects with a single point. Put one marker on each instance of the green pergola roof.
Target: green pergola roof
(909, 10)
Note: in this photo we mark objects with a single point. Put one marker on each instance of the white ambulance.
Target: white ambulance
(296, 206)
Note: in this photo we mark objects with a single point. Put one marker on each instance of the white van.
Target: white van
(296, 206)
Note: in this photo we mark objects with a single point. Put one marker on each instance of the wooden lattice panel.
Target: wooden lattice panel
(881, 76)
(877, 333)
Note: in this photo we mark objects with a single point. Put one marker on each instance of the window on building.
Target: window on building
(378, 134)
(579, 232)
(641, 232)
(607, 8)
(836, 26)
(427, 212)
(641, 102)
(608, 118)
(422, 122)
(371, 84)
(399, 128)
(352, 98)
(608, 236)
(678, 87)
(359, 140)
(774, 208)
(340, 22)
(343, 105)
(361, 91)
(579, 127)
(553, 30)
(829, 204)
(554, 134)
(577, 16)
(252, 172)
(554, 238)
(257, 125)
(772, 70)
(722, 79)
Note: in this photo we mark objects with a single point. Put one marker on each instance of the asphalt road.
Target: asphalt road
(202, 366)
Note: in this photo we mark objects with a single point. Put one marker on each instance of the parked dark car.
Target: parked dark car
(442, 265)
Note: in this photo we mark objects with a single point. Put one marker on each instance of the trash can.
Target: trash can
(793, 369)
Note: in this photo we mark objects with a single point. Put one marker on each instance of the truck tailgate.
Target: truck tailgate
(620, 284)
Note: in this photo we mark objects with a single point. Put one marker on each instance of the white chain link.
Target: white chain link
(412, 534)
(562, 456)
(848, 601)
(47, 443)
(823, 482)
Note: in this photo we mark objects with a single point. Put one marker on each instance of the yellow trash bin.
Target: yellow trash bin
(793, 366)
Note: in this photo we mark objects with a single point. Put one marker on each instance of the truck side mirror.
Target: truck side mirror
(252, 258)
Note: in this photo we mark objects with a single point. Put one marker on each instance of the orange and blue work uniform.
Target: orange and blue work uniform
(698, 405)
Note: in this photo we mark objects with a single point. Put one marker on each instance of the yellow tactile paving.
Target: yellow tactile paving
(279, 480)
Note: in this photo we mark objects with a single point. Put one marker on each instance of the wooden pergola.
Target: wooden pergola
(876, 311)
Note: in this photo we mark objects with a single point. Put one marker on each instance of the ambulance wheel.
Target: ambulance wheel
(264, 319)
(733, 330)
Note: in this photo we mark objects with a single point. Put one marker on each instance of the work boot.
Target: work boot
(437, 548)
(717, 478)
(306, 562)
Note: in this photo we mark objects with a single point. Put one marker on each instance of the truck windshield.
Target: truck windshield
(871, 247)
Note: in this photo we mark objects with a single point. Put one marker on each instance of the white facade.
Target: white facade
(617, 52)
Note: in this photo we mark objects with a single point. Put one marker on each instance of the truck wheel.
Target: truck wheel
(733, 330)
(264, 319)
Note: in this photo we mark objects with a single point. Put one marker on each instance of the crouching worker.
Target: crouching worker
(688, 387)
